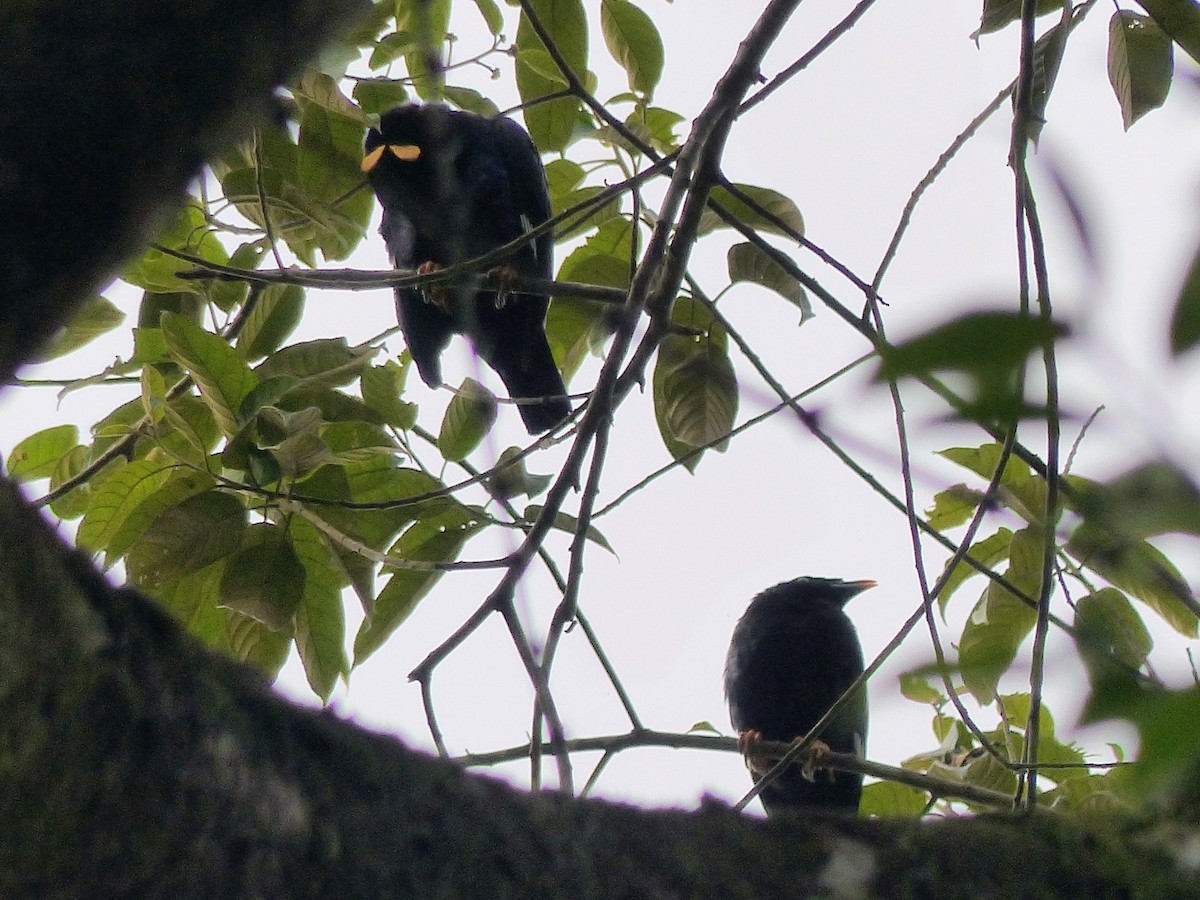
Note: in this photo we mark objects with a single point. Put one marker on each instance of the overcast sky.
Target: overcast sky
(847, 141)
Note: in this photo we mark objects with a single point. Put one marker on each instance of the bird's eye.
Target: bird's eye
(405, 152)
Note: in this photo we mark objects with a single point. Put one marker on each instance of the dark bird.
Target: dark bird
(454, 186)
(793, 653)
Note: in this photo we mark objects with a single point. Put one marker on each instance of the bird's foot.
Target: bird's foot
(760, 764)
(505, 278)
(440, 297)
(813, 757)
(748, 742)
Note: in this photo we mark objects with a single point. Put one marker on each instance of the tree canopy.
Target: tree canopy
(255, 485)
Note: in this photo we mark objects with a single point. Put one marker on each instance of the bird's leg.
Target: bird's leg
(748, 742)
(758, 764)
(440, 297)
(813, 757)
(506, 279)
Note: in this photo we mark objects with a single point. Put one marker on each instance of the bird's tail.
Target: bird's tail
(532, 376)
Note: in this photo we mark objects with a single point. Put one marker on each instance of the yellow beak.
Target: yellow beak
(403, 152)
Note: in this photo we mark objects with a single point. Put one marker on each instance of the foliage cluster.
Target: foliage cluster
(254, 480)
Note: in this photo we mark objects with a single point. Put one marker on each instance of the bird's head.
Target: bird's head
(399, 141)
(815, 590)
(410, 161)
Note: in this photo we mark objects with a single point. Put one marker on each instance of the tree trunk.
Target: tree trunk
(134, 763)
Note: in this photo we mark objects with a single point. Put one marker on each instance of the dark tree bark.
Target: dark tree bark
(134, 763)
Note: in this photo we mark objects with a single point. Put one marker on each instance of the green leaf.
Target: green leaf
(1170, 754)
(186, 538)
(1180, 19)
(1185, 321)
(768, 211)
(1000, 620)
(748, 262)
(575, 328)
(551, 124)
(372, 481)
(492, 17)
(439, 538)
(978, 343)
(604, 258)
(154, 304)
(655, 126)
(263, 579)
(953, 507)
(97, 316)
(253, 642)
(512, 479)
(542, 64)
(887, 799)
(322, 90)
(700, 397)
(320, 618)
(76, 501)
(570, 524)
(1051, 751)
(585, 215)
(1107, 795)
(1138, 568)
(428, 22)
(158, 271)
(37, 456)
(149, 348)
(331, 360)
(293, 439)
(391, 47)
(192, 600)
(990, 348)
(116, 499)
(1019, 489)
(181, 485)
(562, 177)
(1154, 498)
(329, 150)
(695, 391)
(272, 320)
(382, 387)
(1048, 53)
(472, 101)
(377, 97)
(634, 42)
(915, 686)
(310, 187)
(1140, 64)
(986, 771)
(190, 431)
(219, 371)
(999, 13)
(334, 405)
(987, 552)
(469, 416)
(1108, 623)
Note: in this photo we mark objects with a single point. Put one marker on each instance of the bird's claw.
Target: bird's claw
(438, 296)
(813, 757)
(758, 764)
(748, 742)
(506, 279)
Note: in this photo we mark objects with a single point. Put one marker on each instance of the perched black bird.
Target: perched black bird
(793, 653)
(453, 186)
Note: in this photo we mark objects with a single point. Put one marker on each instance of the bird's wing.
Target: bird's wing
(527, 185)
(399, 235)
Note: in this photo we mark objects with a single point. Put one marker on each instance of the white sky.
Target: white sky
(847, 140)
